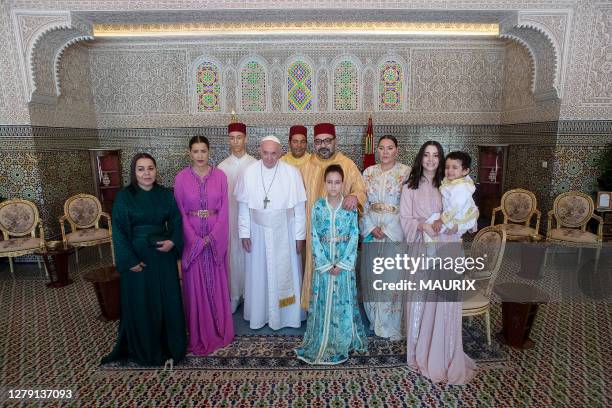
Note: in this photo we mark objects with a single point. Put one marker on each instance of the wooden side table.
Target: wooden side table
(59, 253)
(106, 284)
(519, 309)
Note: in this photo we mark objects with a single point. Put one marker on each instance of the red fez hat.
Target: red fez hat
(325, 128)
(297, 130)
(236, 127)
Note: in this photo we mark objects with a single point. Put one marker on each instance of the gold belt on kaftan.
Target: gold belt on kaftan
(203, 213)
(384, 208)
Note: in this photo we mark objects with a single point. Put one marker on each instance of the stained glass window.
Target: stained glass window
(253, 86)
(346, 86)
(299, 86)
(208, 87)
(390, 82)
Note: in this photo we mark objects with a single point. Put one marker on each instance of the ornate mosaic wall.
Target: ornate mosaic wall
(430, 81)
(169, 145)
(530, 146)
(56, 168)
(570, 150)
(39, 168)
(151, 96)
(576, 32)
(579, 146)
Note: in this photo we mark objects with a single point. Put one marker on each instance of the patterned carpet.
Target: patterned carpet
(51, 338)
(264, 352)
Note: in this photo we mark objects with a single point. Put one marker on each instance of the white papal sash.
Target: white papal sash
(278, 250)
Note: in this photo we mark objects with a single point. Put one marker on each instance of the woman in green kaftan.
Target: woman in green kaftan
(147, 237)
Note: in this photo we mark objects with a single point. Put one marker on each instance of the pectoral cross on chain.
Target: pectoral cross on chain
(266, 201)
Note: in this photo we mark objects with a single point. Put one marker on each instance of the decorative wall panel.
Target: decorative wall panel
(322, 90)
(19, 175)
(588, 94)
(346, 86)
(456, 80)
(139, 82)
(598, 88)
(300, 87)
(390, 86)
(55, 168)
(518, 70)
(13, 109)
(253, 87)
(208, 87)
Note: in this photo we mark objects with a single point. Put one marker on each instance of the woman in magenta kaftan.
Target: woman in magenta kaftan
(201, 194)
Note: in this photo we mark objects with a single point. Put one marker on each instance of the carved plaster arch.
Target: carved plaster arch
(44, 61)
(543, 51)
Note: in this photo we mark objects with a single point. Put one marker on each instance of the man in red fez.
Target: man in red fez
(233, 166)
(297, 155)
(312, 172)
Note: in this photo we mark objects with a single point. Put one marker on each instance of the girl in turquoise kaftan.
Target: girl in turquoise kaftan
(334, 326)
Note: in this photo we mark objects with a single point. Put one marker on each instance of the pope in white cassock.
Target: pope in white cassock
(233, 167)
(272, 225)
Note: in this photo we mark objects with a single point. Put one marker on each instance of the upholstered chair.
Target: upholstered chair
(518, 207)
(490, 244)
(19, 221)
(571, 212)
(83, 212)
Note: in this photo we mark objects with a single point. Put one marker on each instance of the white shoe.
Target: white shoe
(169, 365)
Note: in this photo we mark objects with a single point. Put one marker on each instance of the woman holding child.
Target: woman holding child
(434, 342)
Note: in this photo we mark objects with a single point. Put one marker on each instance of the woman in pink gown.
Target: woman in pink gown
(201, 194)
(434, 343)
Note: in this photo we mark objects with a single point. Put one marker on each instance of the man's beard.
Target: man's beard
(325, 153)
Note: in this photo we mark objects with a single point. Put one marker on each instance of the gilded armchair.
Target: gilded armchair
(490, 244)
(518, 207)
(83, 212)
(19, 219)
(571, 212)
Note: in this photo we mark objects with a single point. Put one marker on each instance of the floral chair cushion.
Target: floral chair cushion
(573, 235)
(573, 210)
(83, 211)
(20, 244)
(17, 218)
(518, 206)
(86, 235)
(518, 230)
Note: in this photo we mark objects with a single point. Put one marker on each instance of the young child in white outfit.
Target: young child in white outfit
(459, 211)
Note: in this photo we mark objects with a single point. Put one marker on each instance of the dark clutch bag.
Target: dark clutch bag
(152, 239)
